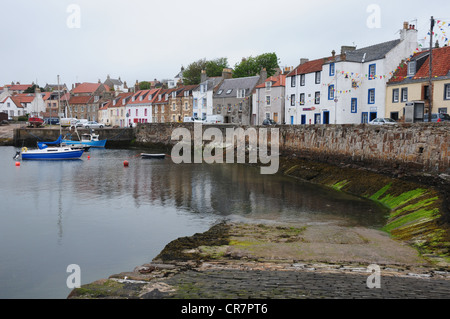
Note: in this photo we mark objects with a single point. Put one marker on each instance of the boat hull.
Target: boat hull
(52, 154)
(98, 144)
(158, 156)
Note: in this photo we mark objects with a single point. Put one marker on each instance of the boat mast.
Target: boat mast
(59, 108)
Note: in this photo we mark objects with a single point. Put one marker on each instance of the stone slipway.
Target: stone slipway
(237, 260)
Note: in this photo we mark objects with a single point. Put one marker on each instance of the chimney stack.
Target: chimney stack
(203, 76)
(303, 61)
(227, 73)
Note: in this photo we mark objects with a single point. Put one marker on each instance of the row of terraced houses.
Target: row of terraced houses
(350, 87)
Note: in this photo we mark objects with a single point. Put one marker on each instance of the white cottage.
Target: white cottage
(350, 88)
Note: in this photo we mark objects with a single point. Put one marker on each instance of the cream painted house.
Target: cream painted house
(411, 83)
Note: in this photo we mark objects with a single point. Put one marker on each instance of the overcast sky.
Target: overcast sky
(146, 40)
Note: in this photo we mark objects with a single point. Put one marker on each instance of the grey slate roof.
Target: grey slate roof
(247, 83)
(372, 53)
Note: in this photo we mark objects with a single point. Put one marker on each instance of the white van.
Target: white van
(214, 119)
(68, 122)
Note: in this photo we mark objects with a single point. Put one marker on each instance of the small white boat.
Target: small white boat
(146, 155)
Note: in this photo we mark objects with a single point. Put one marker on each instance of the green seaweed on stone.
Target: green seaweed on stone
(410, 208)
(339, 185)
(377, 195)
(393, 202)
(420, 215)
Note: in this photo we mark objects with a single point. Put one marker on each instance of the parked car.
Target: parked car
(51, 121)
(80, 123)
(190, 119)
(383, 121)
(93, 124)
(437, 117)
(269, 122)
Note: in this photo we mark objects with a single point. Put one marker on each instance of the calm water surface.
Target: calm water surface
(107, 218)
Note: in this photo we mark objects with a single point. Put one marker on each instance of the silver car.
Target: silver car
(382, 121)
(93, 124)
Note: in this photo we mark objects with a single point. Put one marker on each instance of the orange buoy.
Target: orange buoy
(17, 163)
(125, 163)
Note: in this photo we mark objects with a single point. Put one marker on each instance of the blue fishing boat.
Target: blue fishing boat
(90, 139)
(60, 142)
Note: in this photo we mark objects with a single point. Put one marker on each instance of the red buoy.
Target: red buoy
(125, 163)
(17, 163)
(89, 157)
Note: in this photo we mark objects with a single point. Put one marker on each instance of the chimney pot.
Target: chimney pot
(405, 25)
(303, 61)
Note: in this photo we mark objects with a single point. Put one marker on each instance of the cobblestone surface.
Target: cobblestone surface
(230, 284)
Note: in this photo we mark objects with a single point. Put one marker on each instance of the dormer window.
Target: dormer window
(159, 97)
(220, 92)
(141, 98)
(123, 101)
(229, 91)
(174, 94)
(268, 86)
(411, 68)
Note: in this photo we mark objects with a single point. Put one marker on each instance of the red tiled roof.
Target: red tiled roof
(441, 66)
(18, 87)
(86, 88)
(119, 99)
(24, 97)
(307, 67)
(279, 80)
(142, 93)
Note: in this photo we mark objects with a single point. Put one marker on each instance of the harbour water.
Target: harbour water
(108, 218)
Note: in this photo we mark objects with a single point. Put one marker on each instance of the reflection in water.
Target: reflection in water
(108, 218)
(222, 189)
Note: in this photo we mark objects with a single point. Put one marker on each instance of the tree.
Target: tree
(144, 85)
(192, 74)
(252, 66)
(32, 89)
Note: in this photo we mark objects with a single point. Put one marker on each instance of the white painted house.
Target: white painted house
(139, 107)
(22, 104)
(350, 88)
(203, 96)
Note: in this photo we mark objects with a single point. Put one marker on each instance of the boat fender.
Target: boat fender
(24, 149)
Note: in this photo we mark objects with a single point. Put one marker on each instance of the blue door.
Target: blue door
(326, 117)
(303, 119)
(292, 120)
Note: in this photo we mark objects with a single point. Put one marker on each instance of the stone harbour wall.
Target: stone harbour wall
(419, 147)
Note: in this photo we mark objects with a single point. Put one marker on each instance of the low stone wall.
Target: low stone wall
(420, 147)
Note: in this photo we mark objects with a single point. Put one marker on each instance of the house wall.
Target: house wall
(277, 104)
(415, 93)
